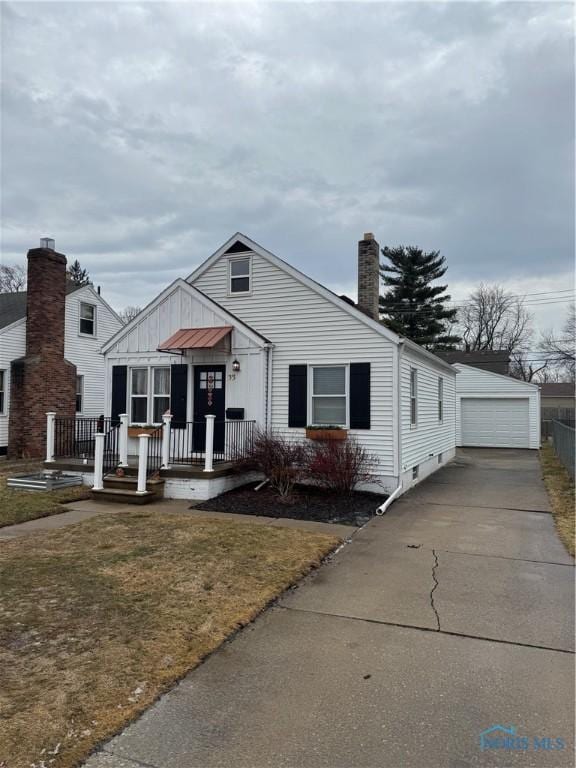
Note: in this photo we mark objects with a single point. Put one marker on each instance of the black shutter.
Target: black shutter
(297, 395)
(178, 395)
(119, 380)
(360, 396)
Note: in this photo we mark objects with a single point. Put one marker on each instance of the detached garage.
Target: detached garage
(495, 411)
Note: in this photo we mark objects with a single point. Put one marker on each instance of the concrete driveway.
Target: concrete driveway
(452, 614)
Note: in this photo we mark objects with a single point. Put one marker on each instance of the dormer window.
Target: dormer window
(239, 271)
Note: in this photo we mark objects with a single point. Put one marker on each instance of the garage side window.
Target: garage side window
(413, 396)
(440, 398)
(2, 391)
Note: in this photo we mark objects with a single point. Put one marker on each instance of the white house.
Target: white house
(251, 340)
(88, 322)
(496, 411)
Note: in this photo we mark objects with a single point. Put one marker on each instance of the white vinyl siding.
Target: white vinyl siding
(306, 328)
(476, 384)
(12, 346)
(428, 437)
(84, 351)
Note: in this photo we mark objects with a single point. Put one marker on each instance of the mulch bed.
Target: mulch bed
(307, 503)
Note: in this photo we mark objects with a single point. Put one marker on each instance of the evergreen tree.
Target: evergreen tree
(412, 306)
(77, 275)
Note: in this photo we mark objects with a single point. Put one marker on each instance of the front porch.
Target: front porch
(192, 460)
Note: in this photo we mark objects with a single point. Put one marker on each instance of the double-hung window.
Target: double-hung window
(79, 393)
(240, 277)
(160, 393)
(440, 398)
(149, 394)
(139, 396)
(329, 395)
(2, 391)
(413, 396)
(87, 319)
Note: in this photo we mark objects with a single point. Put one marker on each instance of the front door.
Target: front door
(209, 397)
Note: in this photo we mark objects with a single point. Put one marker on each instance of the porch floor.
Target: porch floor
(183, 471)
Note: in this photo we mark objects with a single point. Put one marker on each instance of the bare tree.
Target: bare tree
(521, 367)
(12, 278)
(492, 319)
(129, 313)
(559, 347)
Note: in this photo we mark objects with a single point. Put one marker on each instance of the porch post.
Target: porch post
(50, 419)
(123, 440)
(99, 438)
(167, 418)
(142, 462)
(209, 456)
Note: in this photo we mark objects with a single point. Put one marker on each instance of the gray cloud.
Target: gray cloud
(142, 136)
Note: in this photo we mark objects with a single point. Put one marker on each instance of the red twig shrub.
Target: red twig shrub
(339, 466)
(279, 459)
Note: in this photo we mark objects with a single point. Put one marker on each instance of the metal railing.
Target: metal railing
(563, 441)
(74, 436)
(154, 461)
(232, 440)
(111, 457)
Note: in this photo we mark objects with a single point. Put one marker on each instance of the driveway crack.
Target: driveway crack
(435, 580)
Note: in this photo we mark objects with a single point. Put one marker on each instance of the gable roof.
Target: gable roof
(557, 389)
(13, 305)
(202, 297)
(495, 360)
(509, 379)
(347, 306)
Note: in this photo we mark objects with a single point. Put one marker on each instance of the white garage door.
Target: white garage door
(495, 422)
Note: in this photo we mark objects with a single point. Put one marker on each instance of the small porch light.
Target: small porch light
(236, 366)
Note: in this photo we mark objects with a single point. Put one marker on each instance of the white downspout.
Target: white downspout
(269, 368)
(397, 491)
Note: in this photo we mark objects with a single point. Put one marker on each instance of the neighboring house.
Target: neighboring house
(495, 360)
(50, 337)
(495, 411)
(249, 338)
(559, 396)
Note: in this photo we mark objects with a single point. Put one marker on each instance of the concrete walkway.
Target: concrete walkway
(452, 614)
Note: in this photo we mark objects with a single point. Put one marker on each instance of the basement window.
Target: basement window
(240, 276)
(2, 391)
(79, 393)
(87, 319)
(415, 472)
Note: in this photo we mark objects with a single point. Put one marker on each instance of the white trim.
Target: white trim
(310, 392)
(94, 334)
(239, 257)
(205, 300)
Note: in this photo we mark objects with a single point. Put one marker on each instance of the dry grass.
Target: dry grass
(560, 488)
(19, 506)
(98, 618)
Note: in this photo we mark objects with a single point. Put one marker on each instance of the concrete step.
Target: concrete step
(130, 483)
(120, 496)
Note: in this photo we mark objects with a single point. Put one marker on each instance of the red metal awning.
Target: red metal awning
(195, 338)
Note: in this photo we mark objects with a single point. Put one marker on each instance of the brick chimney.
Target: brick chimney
(368, 275)
(43, 380)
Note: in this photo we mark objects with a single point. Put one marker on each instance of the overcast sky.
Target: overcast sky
(141, 136)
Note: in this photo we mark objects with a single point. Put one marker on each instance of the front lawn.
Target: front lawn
(560, 488)
(19, 506)
(97, 619)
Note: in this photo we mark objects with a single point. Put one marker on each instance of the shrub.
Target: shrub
(279, 459)
(339, 466)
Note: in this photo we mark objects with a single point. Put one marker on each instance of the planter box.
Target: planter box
(326, 434)
(135, 431)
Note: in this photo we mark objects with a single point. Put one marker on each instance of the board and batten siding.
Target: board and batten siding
(181, 309)
(429, 437)
(12, 346)
(476, 383)
(307, 328)
(84, 351)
